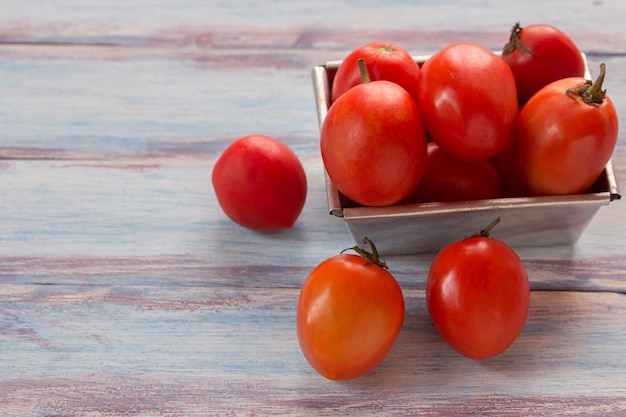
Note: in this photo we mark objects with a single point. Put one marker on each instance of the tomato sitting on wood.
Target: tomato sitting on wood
(260, 183)
(478, 295)
(566, 134)
(350, 312)
(468, 101)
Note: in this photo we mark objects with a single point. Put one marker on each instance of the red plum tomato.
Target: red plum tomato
(384, 61)
(540, 54)
(373, 144)
(350, 312)
(448, 179)
(562, 143)
(260, 183)
(468, 101)
(478, 296)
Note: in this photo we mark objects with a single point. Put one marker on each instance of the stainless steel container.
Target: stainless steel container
(428, 227)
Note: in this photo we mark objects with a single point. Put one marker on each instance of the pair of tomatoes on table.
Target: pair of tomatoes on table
(466, 124)
(351, 309)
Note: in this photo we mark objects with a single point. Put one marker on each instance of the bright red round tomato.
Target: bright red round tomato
(373, 143)
(260, 183)
(468, 101)
(384, 61)
(563, 143)
(448, 179)
(540, 54)
(350, 312)
(478, 296)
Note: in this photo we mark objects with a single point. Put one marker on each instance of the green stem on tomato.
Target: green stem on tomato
(365, 78)
(591, 92)
(515, 44)
(372, 258)
(489, 228)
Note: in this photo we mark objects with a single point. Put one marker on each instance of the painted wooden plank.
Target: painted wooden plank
(99, 350)
(67, 219)
(125, 291)
(82, 102)
(239, 22)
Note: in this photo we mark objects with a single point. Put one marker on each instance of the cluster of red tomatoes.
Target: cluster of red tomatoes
(467, 124)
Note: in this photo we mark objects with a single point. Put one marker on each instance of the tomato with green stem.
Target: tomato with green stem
(350, 312)
(540, 54)
(565, 136)
(478, 295)
(373, 143)
(384, 61)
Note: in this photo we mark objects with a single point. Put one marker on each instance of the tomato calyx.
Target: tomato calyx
(385, 49)
(372, 257)
(515, 44)
(485, 232)
(590, 92)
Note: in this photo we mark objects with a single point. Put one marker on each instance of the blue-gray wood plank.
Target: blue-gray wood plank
(124, 290)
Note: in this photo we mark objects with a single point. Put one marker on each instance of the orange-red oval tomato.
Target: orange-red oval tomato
(373, 143)
(468, 101)
(562, 144)
(349, 315)
(448, 179)
(260, 183)
(540, 54)
(384, 61)
(478, 296)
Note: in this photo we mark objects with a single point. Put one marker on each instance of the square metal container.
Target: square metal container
(428, 227)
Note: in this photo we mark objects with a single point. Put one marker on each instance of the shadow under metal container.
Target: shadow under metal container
(428, 227)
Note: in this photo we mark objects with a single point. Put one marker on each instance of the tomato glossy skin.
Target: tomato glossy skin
(549, 55)
(505, 164)
(563, 144)
(478, 296)
(448, 179)
(260, 183)
(468, 101)
(349, 315)
(373, 144)
(384, 61)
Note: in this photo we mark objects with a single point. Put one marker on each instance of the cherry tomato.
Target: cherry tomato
(540, 54)
(373, 143)
(384, 61)
(468, 101)
(260, 183)
(448, 179)
(563, 142)
(350, 312)
(477, 294)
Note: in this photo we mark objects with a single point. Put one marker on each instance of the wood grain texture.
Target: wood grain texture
(125, 291)
(195, 349)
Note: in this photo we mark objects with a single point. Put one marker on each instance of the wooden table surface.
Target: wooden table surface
(124, 289)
